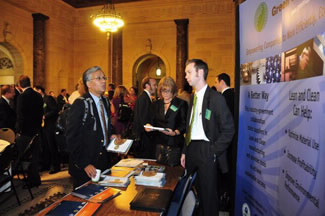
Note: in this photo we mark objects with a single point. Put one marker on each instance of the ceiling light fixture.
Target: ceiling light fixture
(107, 20)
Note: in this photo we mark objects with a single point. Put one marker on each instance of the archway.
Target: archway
(147, 65)
(11, 64)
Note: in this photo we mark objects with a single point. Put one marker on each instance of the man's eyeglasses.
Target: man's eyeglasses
(99, 78)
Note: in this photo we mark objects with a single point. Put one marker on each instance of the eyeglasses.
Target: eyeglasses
(99, 78)
(166, 91)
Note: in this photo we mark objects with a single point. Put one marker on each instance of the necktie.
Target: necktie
(102, 114)
(188, 135)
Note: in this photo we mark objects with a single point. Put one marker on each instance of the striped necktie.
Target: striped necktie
(102, 114)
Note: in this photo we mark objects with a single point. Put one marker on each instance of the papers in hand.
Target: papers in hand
(120, 145)
(155, 128)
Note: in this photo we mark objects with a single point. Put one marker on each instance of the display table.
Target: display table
(3, 145)
(120, 205)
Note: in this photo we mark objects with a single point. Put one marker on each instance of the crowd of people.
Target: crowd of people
(191, 128)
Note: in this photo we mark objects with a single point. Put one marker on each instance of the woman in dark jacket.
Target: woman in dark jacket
(168, 112)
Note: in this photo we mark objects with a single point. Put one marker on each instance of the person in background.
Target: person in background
(7, 113)
(185, 93)
(80, 91)
(133, 96)
(87, 138)
(111, 89)
(62, 99)
(119, 98)
(210, 128)
(142, 116)
(29, 123)
(50, 116)
(222, 84)
(168, 112)
(51, 93)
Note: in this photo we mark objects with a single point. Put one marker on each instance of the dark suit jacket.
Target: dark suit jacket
(50, 111)
(85, 140)
(217, 122)
(142, 113)
(60, 100)
(29, 112)
(175, 118)
(7, 115)
(229, 95)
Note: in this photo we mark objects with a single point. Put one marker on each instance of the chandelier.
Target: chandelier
(107, 20)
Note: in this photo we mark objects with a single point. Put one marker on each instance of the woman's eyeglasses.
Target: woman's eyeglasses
(99, 78)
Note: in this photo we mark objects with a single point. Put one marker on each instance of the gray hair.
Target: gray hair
(86, 76)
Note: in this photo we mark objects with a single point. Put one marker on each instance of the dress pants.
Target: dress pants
(199, 158)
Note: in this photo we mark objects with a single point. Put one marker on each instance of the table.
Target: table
(120, 205)
(3, 145)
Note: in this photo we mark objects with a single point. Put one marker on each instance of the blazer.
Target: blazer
(29, 112)
(50, 111)
(142, 113)
(229, 95)
(217, 121)
(85, 139)
(7, 115)
(175, 118)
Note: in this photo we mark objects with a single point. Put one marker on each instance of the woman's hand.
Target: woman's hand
(169, 132)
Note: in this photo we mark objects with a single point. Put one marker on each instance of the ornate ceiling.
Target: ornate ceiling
(89, 3)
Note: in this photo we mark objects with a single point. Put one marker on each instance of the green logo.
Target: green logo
(261, 17)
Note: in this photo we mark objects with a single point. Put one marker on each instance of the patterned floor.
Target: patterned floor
(53, 187)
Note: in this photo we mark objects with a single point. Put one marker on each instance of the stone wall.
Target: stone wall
(74, 44)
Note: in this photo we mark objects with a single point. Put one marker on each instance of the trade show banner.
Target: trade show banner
(281, 141)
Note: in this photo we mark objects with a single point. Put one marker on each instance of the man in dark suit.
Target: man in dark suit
(62, 99)
(222, 84)
(51, 159)
(142, 116)
(227, 179)
(7, 114)
(88, 129)
(29, 121)
(210, 128)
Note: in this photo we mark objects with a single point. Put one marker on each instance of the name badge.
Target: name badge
(174, 108)
(208, 114)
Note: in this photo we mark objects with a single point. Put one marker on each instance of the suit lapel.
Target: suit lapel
(205, 107)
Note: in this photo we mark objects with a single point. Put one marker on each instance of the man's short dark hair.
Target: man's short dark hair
(24, 81)
(38, 87)
(6, 89)
(146, 80)
(225, 77)
(199, 64)
(63, 90)
(112, 85)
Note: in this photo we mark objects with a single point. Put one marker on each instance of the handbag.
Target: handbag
(168, 155)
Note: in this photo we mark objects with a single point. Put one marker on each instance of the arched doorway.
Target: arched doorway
(11, 64)
(148, 65)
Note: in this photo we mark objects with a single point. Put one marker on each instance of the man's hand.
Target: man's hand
(90, 170)
(148, 129)
(183, 160)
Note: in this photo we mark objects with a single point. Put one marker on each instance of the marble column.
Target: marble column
(117, 53)
(39, 39)
(181, 50)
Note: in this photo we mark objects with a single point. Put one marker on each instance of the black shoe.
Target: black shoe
(53, 171)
